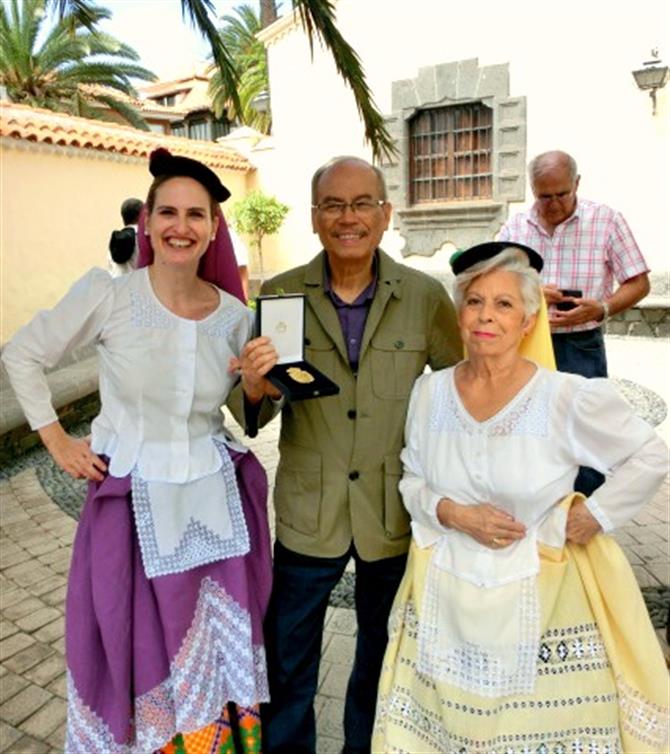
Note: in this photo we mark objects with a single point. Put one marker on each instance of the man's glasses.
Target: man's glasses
(360, 207)
(547, 198)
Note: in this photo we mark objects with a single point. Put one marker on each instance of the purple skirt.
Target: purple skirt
(148, 658)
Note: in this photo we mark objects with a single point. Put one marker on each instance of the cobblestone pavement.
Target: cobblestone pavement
(35, 544)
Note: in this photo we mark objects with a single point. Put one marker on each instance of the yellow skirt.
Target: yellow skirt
(601, 687)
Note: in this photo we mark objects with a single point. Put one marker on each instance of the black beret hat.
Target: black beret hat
(462, 260)
(161, 162)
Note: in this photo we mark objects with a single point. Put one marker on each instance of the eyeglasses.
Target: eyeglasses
(360, 207)
(547, 198)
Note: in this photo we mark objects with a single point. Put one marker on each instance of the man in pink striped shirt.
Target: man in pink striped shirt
(593, 267)
(587, 247)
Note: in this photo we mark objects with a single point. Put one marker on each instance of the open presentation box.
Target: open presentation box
(282, 319)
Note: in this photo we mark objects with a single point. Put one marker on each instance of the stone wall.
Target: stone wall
(74, 391)
(649, 319)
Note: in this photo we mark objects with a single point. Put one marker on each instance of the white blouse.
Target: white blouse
(163, 378)
(480, 610)
(524, 459)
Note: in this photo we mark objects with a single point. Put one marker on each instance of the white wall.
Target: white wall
(571, 60)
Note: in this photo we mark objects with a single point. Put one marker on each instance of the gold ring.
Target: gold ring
(497, 541)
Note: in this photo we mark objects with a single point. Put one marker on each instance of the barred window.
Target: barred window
(450, 153)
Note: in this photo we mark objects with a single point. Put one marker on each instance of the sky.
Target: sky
(166, 43)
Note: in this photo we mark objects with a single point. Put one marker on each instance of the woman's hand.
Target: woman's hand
(72, 454)
(256, 360)
(581, 525)
(490, 526)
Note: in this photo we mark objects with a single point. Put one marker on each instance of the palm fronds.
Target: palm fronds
(75, 69)
(238, 35)
(318, 20)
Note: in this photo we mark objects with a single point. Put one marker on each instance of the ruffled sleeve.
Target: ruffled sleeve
(77, 319)
(607, 435)
(420, 500)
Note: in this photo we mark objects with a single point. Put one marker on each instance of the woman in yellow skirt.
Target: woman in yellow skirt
(519, 627)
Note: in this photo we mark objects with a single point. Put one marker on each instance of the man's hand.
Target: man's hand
(586, 310)
(551, 294)
(256, 360)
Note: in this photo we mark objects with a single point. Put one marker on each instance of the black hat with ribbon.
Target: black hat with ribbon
(162, 162)
(462, 260)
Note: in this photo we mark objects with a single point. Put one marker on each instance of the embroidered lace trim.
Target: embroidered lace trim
(529, 417)
(145, 313)
(401, 709)
(199, 544)
(648, 722)
(493, 671)
(223, 324)
(216, 663)
(564, 650)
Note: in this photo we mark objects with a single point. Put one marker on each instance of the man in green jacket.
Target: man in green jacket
(371, 326)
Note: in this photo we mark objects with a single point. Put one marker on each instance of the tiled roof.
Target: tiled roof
(197, 99)
(146, 106)
(161, 88)
(190, 98)
(47, 127)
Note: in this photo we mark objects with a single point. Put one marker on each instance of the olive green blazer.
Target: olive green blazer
(339, 466)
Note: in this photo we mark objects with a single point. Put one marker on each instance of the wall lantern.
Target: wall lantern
(652, 76)
(261, 102)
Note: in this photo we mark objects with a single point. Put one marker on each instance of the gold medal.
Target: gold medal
(300, 375)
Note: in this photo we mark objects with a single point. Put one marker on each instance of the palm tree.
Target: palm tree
(318, 20)
(248, 54)
(76, 70)
(268, 12)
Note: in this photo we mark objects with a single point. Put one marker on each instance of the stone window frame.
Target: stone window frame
(425, 226)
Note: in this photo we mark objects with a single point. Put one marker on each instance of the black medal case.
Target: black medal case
(282, 319)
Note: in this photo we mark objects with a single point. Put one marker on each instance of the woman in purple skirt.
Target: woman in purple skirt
(170, 573)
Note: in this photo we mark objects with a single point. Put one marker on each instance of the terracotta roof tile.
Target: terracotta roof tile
(47, 127)
(145, 105)
(175, 85)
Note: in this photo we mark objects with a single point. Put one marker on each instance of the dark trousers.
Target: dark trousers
(293, 636)
(582, 353)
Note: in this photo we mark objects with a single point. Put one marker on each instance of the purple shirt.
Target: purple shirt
(354, 315)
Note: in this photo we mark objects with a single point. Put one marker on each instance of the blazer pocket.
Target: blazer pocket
(397, 360)
(396, 518)
(320, 352)
(297, 493)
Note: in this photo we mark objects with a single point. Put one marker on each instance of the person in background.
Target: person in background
(122, 243)
(519, 625)
(593, 268)
(171, 572)
(372, 326)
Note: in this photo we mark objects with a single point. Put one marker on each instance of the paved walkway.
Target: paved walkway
(35, 543)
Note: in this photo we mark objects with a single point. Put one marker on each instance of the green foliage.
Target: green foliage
(77, 68)
(258, 215)
(248, 55)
